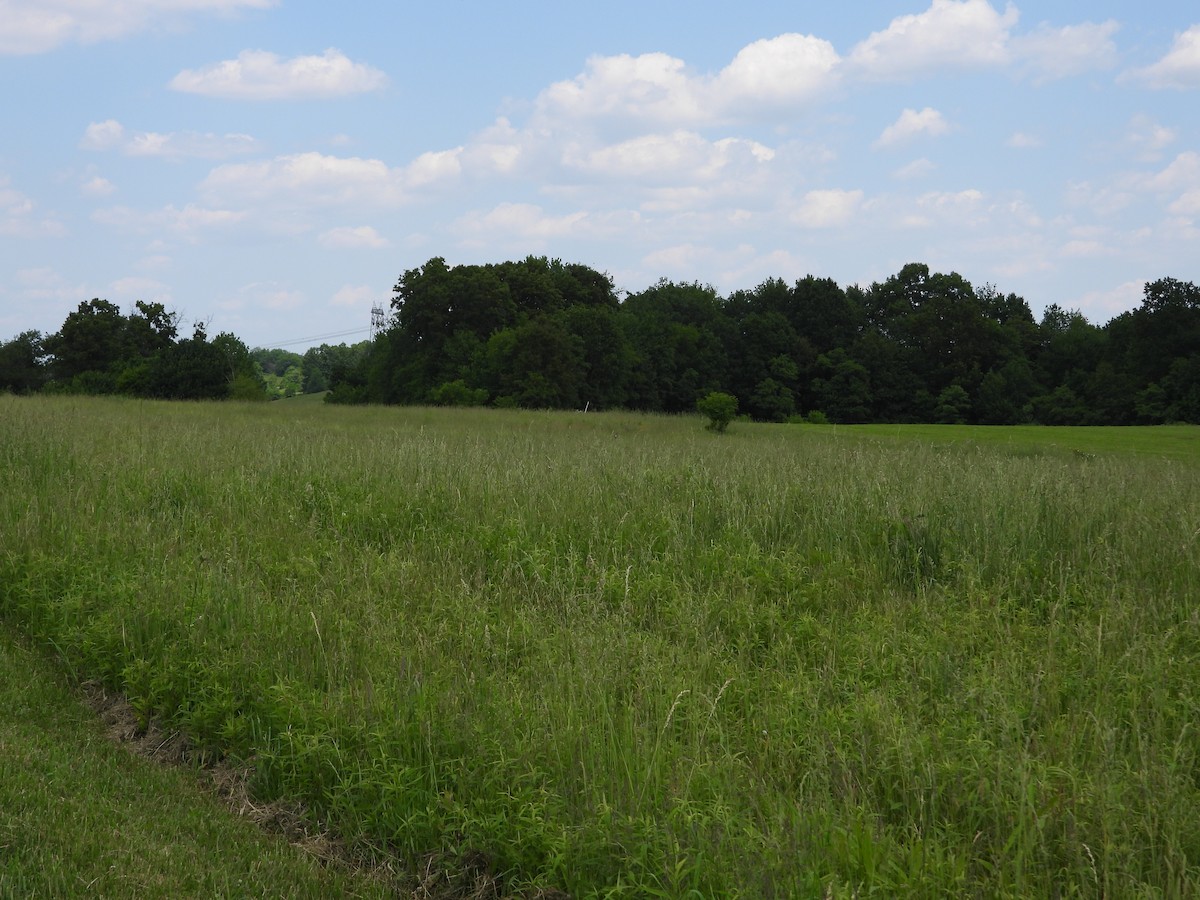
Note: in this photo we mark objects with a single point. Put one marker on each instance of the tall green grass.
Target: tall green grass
(623, 656)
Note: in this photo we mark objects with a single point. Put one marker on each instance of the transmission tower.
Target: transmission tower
(378, 320)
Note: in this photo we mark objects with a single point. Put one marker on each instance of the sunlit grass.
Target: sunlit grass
(622, 655)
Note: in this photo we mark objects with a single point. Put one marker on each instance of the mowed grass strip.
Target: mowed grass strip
(81, 816)
(622, 656)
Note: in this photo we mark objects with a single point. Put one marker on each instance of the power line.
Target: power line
(321, 338)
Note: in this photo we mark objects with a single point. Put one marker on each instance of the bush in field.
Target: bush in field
(720, 408)
(457, 393)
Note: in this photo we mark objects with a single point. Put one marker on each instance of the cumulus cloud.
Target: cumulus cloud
(827, 208)
(1047, 53)
(260, 75)
(315, 179)
(911, 124)
(37, 26)
(784, 71)
(1180, 68)
(680, 156)
(111, 135)
(950, 34)
(362, 236)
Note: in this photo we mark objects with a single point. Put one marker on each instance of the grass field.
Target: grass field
(83, 817)
(621, 656)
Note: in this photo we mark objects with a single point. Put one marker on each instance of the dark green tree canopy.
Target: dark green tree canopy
(919, 346)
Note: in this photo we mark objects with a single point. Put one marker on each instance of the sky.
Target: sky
(271, 168)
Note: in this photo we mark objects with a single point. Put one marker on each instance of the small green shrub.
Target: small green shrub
(720, 408)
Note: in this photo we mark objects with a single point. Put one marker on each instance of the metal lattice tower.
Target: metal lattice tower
(378, 320)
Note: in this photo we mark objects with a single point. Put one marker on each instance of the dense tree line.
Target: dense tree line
(918, 347)
(99, 350)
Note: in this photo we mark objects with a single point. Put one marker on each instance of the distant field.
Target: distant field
(622, 656)
(1181, 442)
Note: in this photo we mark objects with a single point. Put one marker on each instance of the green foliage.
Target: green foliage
(457, 393)
(719, 408)
(162, 833)
(22, 363)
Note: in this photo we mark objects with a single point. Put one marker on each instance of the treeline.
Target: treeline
(918, 347)
(100, 350)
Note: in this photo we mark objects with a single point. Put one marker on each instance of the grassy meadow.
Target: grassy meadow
(621, 656)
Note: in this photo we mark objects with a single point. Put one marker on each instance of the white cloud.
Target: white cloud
(1019, 140)
(918, 168)
(432, 167)
(17, 215)
(953, 203)
(1150, 138)
(1052, 53)
(358, 296)
(520, 220)
(681, 156)
(154, 263)
(188, 222)
(260, 75)
(111, 135)
(1080, 249)
(315, 179)
(950, 34)
(784, 71)
(1180, 68)
(1100, 306)
(97, 187)
(652, 87)
(139, 288)
(1188, 204)
(676, 258)
(45, 285)
(305, 179)
(268, 295)
(827, 208)
(103, 135)
(912, 124)
(37, 26)
(1182, 173)
(362, 236)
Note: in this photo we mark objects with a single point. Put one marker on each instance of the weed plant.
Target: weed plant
(622, 656)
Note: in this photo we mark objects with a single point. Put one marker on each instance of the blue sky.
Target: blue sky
(272, 167)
